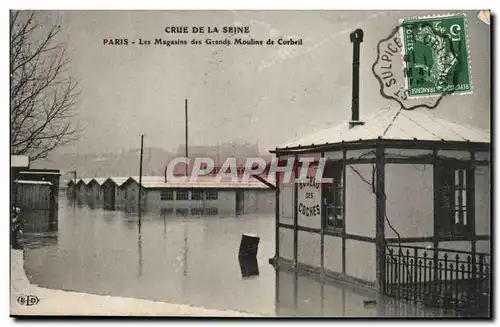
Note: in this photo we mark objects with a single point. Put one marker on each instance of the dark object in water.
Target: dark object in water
(249, 245)
(248, 265)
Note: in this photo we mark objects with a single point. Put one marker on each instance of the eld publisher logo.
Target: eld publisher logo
(28, 300)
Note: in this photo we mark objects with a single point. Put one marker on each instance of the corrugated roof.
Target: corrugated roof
(395, 124)
(19, 161)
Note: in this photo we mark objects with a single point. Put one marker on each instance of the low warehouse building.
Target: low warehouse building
(205, 197)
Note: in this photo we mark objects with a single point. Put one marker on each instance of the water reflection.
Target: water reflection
(301, 294)
(188, 260)
(139, 246)
(249, 266)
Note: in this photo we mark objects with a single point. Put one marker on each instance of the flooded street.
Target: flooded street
(186, 260)
(189, 260)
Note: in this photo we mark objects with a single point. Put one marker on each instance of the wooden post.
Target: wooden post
(140, 176)
(186, 122)
(295, 214)
(277, 213)
(380, 217)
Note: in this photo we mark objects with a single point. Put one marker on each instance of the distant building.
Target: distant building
(94, 191)
(205, 197)
(110, 189)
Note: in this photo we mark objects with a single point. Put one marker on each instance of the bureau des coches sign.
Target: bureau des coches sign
(309, 198)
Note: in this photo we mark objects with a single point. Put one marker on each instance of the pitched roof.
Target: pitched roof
(117, 180)
(98, 180)
(394, 124)
(86, 180)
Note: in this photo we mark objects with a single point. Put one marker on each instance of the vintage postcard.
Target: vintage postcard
(250, 163)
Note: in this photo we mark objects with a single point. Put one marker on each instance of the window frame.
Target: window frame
(196, 192)
(209, 195)
(337, 190)
(182, 191)
(167, 195)
(453, 182)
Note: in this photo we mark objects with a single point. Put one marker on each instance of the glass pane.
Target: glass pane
(465, 217)
(330, 220)
(457, 216)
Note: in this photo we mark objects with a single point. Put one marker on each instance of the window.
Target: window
(182, 195)
(452, 216)
(167, 195)
(212, 195)
(333, 196)
(197, 195)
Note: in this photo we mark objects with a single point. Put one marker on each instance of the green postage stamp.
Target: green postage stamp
(436, 55)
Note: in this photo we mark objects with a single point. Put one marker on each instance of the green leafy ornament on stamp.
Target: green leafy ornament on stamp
(437, 55)
(424, 59)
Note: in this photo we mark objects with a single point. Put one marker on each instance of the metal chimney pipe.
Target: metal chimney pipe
(356, 38)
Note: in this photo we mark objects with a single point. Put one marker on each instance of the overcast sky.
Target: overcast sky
(264, 95)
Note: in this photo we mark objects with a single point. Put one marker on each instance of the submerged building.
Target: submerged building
(403, 205)
(405, 184)
(35, 193)
(206, 196)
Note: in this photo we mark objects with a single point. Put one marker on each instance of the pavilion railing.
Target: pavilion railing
(442, 278)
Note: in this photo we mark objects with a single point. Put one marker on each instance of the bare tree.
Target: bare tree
(43, 94)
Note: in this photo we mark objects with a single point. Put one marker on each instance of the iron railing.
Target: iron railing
(442, 278)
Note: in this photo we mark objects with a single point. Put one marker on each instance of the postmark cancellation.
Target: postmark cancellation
(423, 60)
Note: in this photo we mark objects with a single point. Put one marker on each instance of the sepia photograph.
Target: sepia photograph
(250, 163)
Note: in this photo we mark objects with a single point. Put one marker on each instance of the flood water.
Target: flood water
(187, 260)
